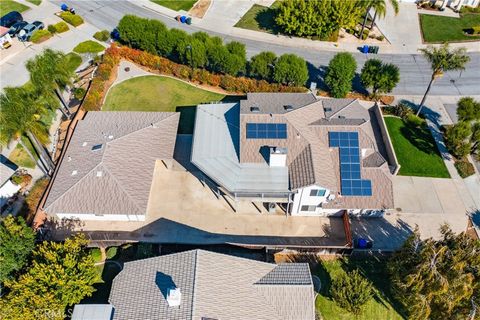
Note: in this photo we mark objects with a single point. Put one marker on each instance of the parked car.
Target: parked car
(26, 33)
(10, 19)
(16, 27)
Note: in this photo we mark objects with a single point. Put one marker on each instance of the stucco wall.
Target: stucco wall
(392, 157)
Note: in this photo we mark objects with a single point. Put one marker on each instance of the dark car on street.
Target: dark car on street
(16, 27)
(10, 19)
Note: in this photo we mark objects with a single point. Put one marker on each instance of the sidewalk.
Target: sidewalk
(403, 31)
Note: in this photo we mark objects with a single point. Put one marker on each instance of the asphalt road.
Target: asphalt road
(414, 69)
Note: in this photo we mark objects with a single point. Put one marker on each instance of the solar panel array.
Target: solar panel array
(352, 183)
(266, 131)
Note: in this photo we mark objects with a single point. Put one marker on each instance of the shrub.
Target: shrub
(340, 73)
(29, 208)
(380, 38)
(261, 65)
(464, 168)
(89, 46)
(112, 252)
(468, 9)
(364, 36)
(22, 179)
(103, 35)
(79, 93)
(291, 69)
(40, 36)
(51, 28)
(457, 139)
(72, 19)
(415, 120)
(96, 254)
(476, 30)
(61, 27)
(403, 111)
(351, 291)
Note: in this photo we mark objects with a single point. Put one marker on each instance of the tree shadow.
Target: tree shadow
(266, 20)
(317, 74)
(102, 289)
(419, 137)
(357, 85)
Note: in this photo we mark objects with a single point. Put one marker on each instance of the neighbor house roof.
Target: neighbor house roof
(109, 163)
(212, 286)
(7, 169)
(310, 160)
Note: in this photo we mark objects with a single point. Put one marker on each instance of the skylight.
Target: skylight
(97, 147)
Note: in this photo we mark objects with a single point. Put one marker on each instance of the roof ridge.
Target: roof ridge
(194, 282)
(121, 188)
(348, 105)
(73, 185)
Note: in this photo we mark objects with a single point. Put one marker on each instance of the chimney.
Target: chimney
(174, 297)
(278, 157)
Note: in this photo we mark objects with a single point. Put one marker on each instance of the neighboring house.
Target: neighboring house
(7, 187)
(473, 225)
(458, 4)
(106, 172)
(313, 156)
(205, 285)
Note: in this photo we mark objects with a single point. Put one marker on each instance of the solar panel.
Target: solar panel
(352, 183)
(266, 131)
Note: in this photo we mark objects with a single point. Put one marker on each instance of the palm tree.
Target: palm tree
(49, 73)
(380, 8)
(443, 59)
(21, 115)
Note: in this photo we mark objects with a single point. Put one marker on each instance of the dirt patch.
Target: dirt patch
(200, 8)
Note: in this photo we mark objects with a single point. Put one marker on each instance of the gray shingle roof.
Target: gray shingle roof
(109, 163)
(212, 285)
(288, 274)
(275, 103)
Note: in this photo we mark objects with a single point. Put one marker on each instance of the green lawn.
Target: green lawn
(20, 157)
(73, 61)
(416, 150)
(381, 306)
(437, 29)
(35, 2)
(176, 5)
(88, 46)
(154, 93)
(259, 18)
(9, 5)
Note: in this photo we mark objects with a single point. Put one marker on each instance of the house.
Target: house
(314, 156)
(473, 225)
(7, 187)
(200, 284)
(458, 4)
(106, 172)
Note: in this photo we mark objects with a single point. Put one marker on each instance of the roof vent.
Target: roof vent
(97, 147)
(327, 109)
(174, 297)
(84, 144)
(69, 159)
(99, 173)
(110, 137)
(74, 172)
(288, 107)
(341, 117)
(255, 109)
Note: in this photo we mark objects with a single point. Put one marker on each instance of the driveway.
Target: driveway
(12, 65)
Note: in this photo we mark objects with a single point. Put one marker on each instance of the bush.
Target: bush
(103, 35)
(112, 252)
(351, 291)
(364, 36)
(380, 38)
(291, 69)
(415, 120)
(340, 73)
(72, 19)
(261, 65)
(79, 93)
(51, 28)
(40, 36)
(89, 46)
(467, 9)
(403, 111)
(476, 30)
(61, 27)
(22, 179)
(96, 254)
(464, 168)
(32, 200)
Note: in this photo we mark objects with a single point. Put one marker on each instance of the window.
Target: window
(308, 208)
(317, 192)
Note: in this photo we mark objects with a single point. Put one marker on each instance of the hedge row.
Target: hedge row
(59, 27)
(73, 19)
(199, 50)
(164, 66)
